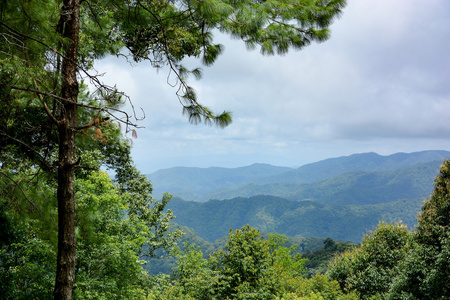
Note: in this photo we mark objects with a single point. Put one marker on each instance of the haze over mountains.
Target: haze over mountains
(203, 184)
(341, 198)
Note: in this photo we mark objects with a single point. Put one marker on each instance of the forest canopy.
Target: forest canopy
(54, 133)
(70, 231)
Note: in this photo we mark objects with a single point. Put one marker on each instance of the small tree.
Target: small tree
(371, 268)
(249, 267)
(243, 264)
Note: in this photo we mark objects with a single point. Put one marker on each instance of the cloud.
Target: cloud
(379, 84)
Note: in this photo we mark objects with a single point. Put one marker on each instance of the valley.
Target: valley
(341, 198)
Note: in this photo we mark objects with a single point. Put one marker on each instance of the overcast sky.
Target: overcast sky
(381, 84)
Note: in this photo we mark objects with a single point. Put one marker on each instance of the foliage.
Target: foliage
(47, 47)
(393, 263)
(371, 268)
(27, 261)
(424, 273)
(318, 260)
(211, 220)
(390, 263)
(248, 268)
(27, 238)
(110, 237)
(243, 264)
(303, 245)
(109, 242)
(317, 287)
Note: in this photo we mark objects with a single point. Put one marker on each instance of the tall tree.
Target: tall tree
(425, 270)
(49, 46)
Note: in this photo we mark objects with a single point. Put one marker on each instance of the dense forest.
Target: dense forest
(212, 220)
(391, 262)
(362, 190)
(71, 230)
(317, 251)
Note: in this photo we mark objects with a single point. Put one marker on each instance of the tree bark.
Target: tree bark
(65, 271)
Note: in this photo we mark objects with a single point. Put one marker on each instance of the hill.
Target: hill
(341, 198)
(202, 184)
(213, 219)
(355, 187)
(190, 183)
(365, 161)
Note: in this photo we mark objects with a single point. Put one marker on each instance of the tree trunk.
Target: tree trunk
(65, 272)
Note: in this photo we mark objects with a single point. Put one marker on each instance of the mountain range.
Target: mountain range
(203, 184)
(342, 198)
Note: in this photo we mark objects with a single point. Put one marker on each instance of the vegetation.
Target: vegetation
(69, 231)
(48, 47)
(109, 243)
(366, 178)
(370, 268)
(317, 250)
(249, 267)
(317, 261)
(393, 263)
(212, 220)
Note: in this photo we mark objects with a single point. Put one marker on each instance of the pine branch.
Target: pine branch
(105, 109)
(41, 160)
(93, 78)
(20, 188)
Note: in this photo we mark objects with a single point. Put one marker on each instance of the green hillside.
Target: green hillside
(363, 187)
(355, 187)
(213, 219)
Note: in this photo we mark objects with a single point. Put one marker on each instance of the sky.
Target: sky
(380, 84)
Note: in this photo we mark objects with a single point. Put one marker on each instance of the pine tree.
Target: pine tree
(47, 46)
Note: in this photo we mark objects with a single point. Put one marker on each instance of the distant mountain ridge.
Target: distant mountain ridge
(342, 198)
(202, 184)
(370, 161)
(188, 182)
(350, 188)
